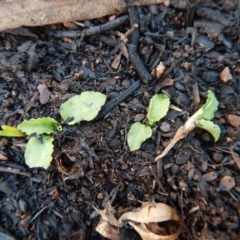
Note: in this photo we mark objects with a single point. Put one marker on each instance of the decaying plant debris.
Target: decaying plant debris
(144, 220)
(42, 67)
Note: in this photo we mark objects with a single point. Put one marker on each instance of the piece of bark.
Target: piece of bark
(18, 13)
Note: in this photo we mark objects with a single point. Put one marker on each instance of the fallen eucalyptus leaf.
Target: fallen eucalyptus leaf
(83, 107)
(39, 152)
(40, 125)
(137, 134)
(8, 131)
(158, 108)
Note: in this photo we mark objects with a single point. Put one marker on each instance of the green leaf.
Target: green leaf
(210, 107)
(39, 152)
(137, 135)
(83, 107)
(210, 127)
(8, 131)
(40, 125)
(158, 108)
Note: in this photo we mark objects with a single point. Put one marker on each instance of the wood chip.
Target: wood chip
(234, 120)
(210, 176)
(159, 70)
(44, 93)
(227, 183)
(116, 62)
(225, 75)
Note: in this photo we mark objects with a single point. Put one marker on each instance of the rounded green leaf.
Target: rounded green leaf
(158, 108)
(210, 107)
(40, 125)
(39, 152)
(137, 134)
(8, 131)
(210, 127)
(83, 107)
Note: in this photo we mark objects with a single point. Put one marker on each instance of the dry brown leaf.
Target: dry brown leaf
(150, 212)
(147, 235)
(144, 220)
(18, 13)
(108, 231)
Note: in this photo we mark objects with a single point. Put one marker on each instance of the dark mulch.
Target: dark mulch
(195, 43)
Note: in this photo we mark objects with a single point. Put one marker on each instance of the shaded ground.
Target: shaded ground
(49, 204)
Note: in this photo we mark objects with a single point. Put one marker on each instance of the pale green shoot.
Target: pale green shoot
(198, 119)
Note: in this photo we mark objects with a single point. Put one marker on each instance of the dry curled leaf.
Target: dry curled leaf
(144, 220)
(148, 235)
(150, 212)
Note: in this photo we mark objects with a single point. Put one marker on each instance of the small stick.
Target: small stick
(15, 171)
(113, 103)
(134, 56)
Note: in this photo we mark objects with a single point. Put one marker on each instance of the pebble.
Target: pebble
(183, 156)
(165, 127)
(126, 84)
(217, 157)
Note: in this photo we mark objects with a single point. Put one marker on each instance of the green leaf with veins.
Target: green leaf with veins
(158, 108)
(8, 131)
(39, 152)
(210, 127)
(210, 107)
(40, 125)
(83, 107)
(137, 134)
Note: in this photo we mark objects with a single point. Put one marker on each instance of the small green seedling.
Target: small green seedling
(83, 107)
(138, 133)
(200, 119)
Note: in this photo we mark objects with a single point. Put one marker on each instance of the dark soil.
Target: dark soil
(195, 45)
